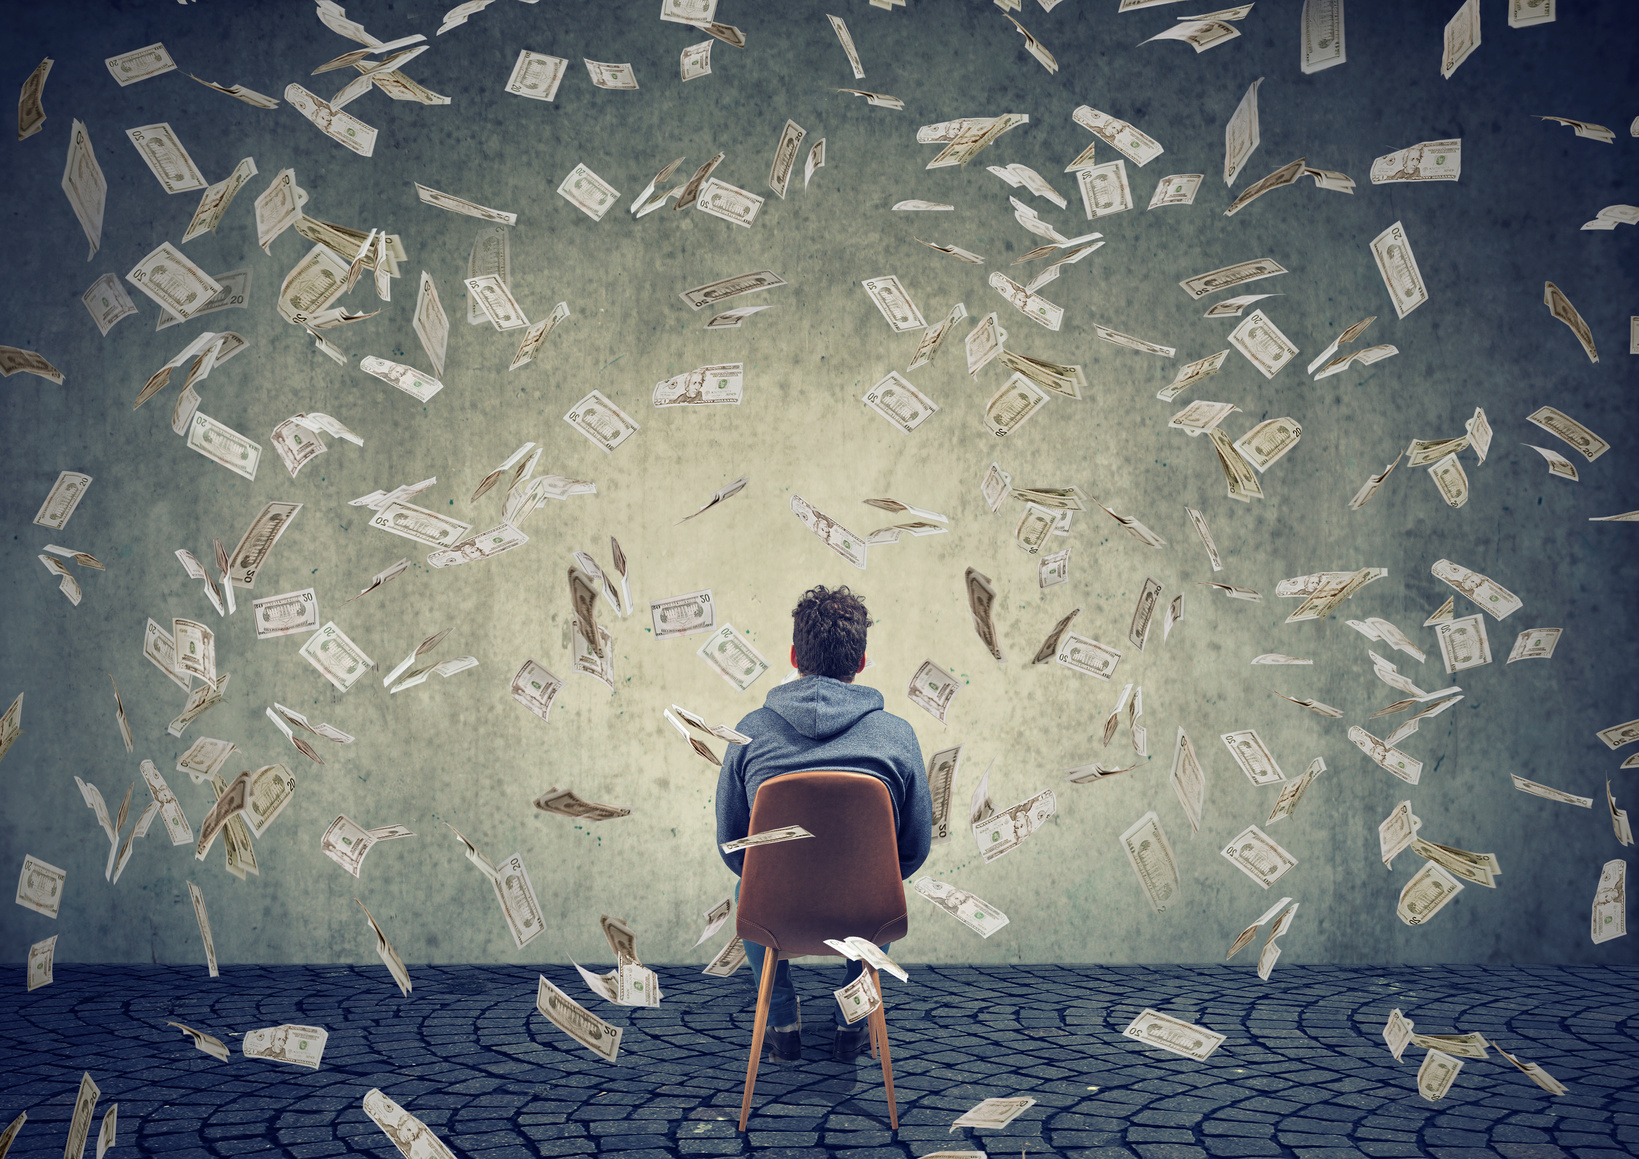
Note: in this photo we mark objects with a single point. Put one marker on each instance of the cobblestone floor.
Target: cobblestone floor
(1304, 1071)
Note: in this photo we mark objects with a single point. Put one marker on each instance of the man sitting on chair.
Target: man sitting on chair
(823, 721)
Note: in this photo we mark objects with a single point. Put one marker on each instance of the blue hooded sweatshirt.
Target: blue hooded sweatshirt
(816, 722)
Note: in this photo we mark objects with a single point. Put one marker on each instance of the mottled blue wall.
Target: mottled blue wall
(461, 751)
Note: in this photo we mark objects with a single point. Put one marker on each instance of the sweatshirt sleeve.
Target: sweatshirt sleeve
(916, 809)
(733, 810)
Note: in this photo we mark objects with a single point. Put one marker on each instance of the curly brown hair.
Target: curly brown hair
(828, 632)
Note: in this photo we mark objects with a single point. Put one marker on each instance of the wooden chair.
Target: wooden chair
(842, 882)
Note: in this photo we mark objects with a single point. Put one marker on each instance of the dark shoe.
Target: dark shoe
(785, 1045)
(851, 1042)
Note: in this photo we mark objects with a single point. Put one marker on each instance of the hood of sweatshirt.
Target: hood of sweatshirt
(820, 707)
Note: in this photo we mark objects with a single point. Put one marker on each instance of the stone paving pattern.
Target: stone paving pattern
(1304, 1071)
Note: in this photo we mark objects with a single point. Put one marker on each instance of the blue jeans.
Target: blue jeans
(782, 1004)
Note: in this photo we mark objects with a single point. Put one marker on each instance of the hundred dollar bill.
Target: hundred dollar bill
(684, 615)
(337, 658)
(889, 297)
(251, 552)
(943, 768)
(535, 688)
(1610, 906)
(297, 1045)
(1426, 161)
(588, 192)
(1152, 1028)
(537, 334)
(234, 295)
(712, 293)
(62, 500)
(1003, 832)
(973, 913)
(130, 67)
(1292, 792)
(785, 157)
(1257, 855)
(1321, 36)
(339, 125)
(733, 658)
(1211, 282)
(1426, 894)
(40, 886)
(160, 149)
(1138, 147)
(286, 614)
(601, 421)
(1485, 592)
(536, 75)
(769, 837)
(174, 282)
(204, 926)
(1557, 423)
(107, 302)
(931, 689)
(600, 1037)
(1438, 1070)
(40, 956)
(1150, 854)
(1463, 643)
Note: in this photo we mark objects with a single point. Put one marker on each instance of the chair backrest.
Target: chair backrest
(842, 882)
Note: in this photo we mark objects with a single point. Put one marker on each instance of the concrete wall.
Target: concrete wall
(460, 751)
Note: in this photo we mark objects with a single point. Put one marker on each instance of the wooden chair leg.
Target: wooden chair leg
(879, 1021)
(765, 993)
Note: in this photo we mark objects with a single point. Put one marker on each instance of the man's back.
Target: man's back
(820, 723)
